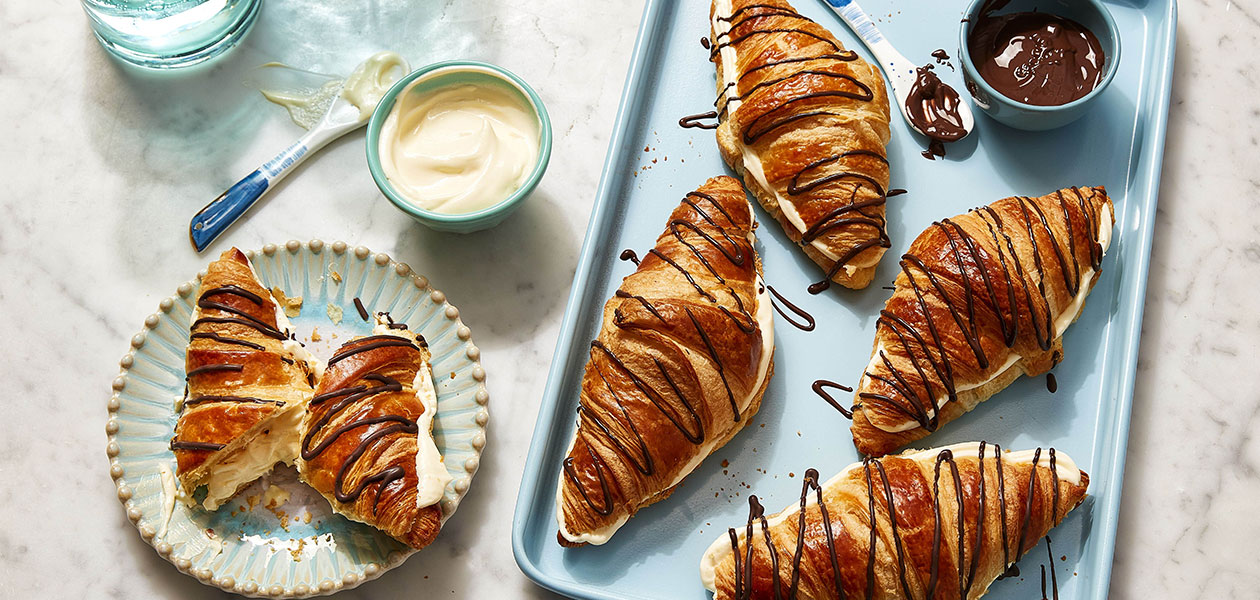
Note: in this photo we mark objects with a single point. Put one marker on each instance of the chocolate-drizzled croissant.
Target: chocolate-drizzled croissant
(680, 366)
(940, 524)
(981, 299)
(367, 441)
(805, 122)
(248, 384)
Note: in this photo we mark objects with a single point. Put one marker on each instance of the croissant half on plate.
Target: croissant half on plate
(248, 384)
(940, 524)
(981, 299)
(805, 122)
(367, 442)
(679, 366)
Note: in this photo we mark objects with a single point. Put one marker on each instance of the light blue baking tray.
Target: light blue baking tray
(652, 163)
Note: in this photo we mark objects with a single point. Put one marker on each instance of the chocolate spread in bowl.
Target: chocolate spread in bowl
(1036, 58)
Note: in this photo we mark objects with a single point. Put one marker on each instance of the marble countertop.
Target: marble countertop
(102, 166)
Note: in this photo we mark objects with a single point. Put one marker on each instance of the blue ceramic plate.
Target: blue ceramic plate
(278, 537)
(652, 163)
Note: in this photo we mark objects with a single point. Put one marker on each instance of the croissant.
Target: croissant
(248, 384)
(367, 441)
(679, 366)
(940, 524)
(981, 298)
(804, 122)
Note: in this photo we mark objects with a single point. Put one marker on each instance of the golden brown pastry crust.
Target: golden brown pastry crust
(815, 116)
(1020, 505)
(359, 447)
(976, 291)
(238, 371)
(680, 347)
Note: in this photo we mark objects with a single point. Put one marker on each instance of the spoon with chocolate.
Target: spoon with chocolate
(930, 106)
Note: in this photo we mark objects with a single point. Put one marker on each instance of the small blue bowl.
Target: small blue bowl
(1030, 117)
(451, 73)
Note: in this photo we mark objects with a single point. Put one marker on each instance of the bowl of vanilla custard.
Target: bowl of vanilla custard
(458, 145)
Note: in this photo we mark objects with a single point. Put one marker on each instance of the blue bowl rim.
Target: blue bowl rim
(969, 68)
(383, 108)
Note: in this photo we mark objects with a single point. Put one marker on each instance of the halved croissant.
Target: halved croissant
(982, 298)
(679, 366)
(248, 384)
(804, 122)
(940, 524)
(367, 442)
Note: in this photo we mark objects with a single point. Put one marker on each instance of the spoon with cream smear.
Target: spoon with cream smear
(349, 106)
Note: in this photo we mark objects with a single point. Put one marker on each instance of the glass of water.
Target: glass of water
(169, 33)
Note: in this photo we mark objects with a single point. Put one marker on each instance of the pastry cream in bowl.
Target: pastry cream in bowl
(457, 145)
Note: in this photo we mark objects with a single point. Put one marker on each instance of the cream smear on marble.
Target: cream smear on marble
(307, 95)
(1061, 322)
(459, 148)
(765, 321)
(1065, 469)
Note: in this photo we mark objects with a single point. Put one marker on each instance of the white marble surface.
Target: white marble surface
(102, 165)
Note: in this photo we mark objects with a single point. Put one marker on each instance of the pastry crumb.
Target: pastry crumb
(292, 306)
(296, 552)
(306, 518)
(334, 314)
(334, 274)
(252, 501)
(791, 474)
(274, 496)
(315, 334)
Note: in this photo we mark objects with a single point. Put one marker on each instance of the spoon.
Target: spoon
(901, 72)
(349, 110)
(210, 222)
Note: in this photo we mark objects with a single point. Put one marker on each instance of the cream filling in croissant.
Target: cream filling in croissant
(1061, 323)
(430, 470)
(749, 157)
(277, 442)
(765, 321)
(1065, 468)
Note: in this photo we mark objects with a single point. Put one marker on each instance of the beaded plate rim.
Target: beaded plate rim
(371, 570)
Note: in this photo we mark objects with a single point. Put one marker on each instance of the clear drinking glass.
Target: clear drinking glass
(169, 33)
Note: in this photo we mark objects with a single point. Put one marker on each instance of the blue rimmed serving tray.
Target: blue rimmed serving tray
(652, 162)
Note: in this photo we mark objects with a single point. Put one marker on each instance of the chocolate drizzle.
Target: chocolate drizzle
(363, 313)
(1054, 579)
(807, 325)
(961, 280)
(966, 552)
(679, 410)
(373, 342)
(210, 398)
(819, 388)
(693, 121)
(226, 340)
(344, 399)
(238, 317)
(629, 255)
(216, 368)
(812, 69)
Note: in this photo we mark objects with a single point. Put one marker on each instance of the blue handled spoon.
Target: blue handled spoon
(210, 222)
